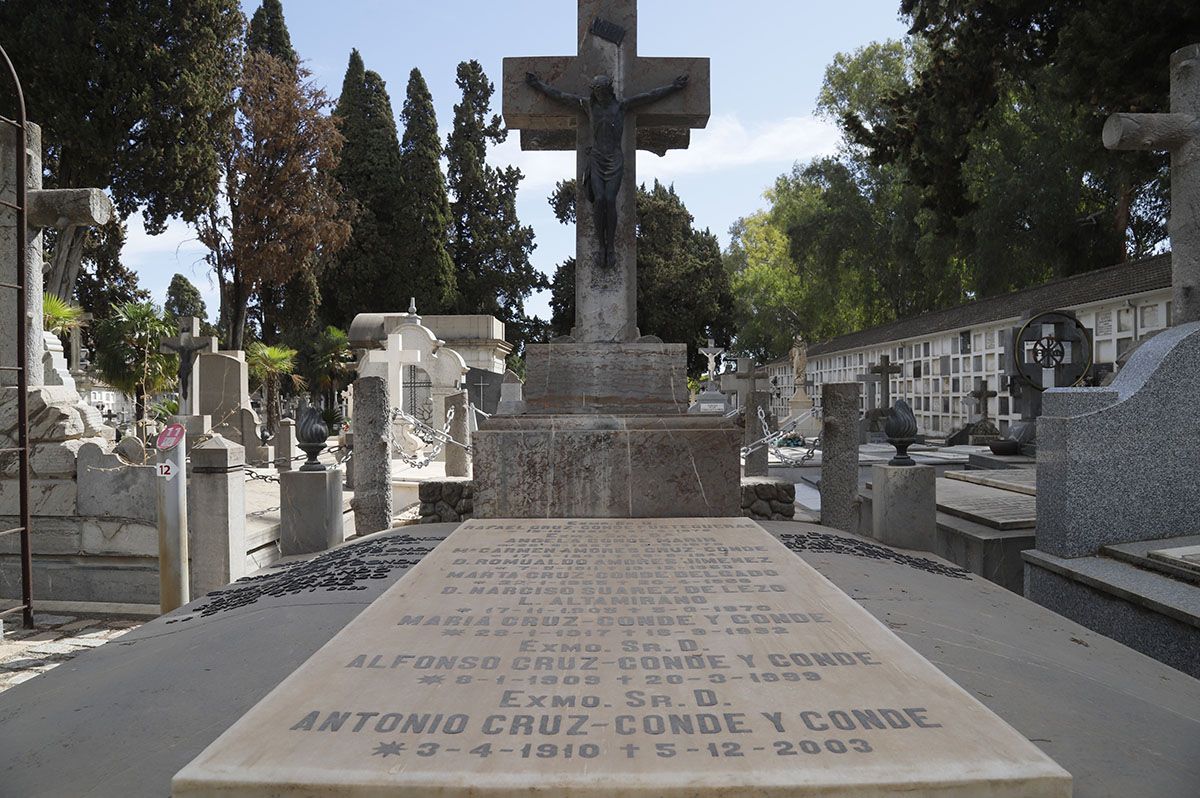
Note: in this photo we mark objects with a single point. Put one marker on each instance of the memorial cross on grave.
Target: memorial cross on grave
(1177, 132)
(742, 382)
(387, 362)
(605, 103)
(981, 395)
(885, 369)
(187, 345)
(482, 385)
(712, 352)
(869, 382)
(56, 208)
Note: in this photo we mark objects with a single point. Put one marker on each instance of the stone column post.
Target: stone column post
(310, 514)
(372, 502)
(285, 444)
(33, 261)
(216, 514)
(458, 462)
(839, 455)
(756, 462)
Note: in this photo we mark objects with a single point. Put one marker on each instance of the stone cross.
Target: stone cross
(740, 382)
(712, 352)
(885, 369)
(187, 344)
(981, 395)
(869, 382)
(482, 386)
(60, 208)
(386, 363)
(1178, 133)
(605, 290)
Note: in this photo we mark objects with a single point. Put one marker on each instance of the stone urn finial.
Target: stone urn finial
(901, 431)
(311, 433)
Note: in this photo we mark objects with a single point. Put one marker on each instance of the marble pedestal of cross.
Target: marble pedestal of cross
(605, 431)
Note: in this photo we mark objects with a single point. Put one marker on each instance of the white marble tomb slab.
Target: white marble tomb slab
(622, 657)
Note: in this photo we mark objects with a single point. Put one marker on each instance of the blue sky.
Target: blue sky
(768, 61)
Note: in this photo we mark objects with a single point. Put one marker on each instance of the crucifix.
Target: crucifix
(712, 352)
(981, 395)
(885, 369)
(605, 103)
(187, 344)
(58, 208)
(1178, 133)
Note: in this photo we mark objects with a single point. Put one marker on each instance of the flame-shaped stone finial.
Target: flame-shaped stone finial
(311, 433)
(901, 430)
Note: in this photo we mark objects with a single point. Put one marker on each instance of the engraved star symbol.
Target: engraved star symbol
(432, 679)
(452, 632)
(388, 749)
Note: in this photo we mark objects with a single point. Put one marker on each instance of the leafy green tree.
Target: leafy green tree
(684, 293)
(425, 216)
(183, 300)
(364, 277)
(128, 356)
(131, 97)
(104, 282)
(1052, 71)
(488, 244)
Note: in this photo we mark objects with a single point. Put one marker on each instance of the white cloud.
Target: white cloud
(157, 258)
(727, 143)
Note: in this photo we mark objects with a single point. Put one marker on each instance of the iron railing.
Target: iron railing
(18, 126)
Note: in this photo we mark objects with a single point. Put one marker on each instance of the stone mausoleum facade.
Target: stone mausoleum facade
(945, 353)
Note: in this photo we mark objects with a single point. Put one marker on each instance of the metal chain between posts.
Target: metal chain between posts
(437, 438)
(771, 439)
(342, 453)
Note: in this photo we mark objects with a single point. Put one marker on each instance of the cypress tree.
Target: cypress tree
(364, 277)
(426, 207)
(488, 244)
(268, 33)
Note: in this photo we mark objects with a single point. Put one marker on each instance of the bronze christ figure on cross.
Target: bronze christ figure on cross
(606, 160)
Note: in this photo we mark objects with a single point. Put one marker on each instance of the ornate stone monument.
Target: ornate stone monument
(605, 431)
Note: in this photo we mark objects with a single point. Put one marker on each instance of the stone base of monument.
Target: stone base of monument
(310, 511)
(571, 466)
(615, 378)
(669, 658)
(904, 506)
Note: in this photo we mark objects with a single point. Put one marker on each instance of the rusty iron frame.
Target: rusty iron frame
(18, 127)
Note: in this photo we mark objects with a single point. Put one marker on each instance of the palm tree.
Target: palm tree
(331, 364)
(60, 316)
(127, 352)
(267, 364)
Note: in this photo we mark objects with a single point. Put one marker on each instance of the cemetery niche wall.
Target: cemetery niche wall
(945, 355)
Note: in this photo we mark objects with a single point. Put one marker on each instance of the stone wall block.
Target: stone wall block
(111, 488)
(216, 515)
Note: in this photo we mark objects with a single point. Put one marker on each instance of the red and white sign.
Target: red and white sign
(169, 438)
